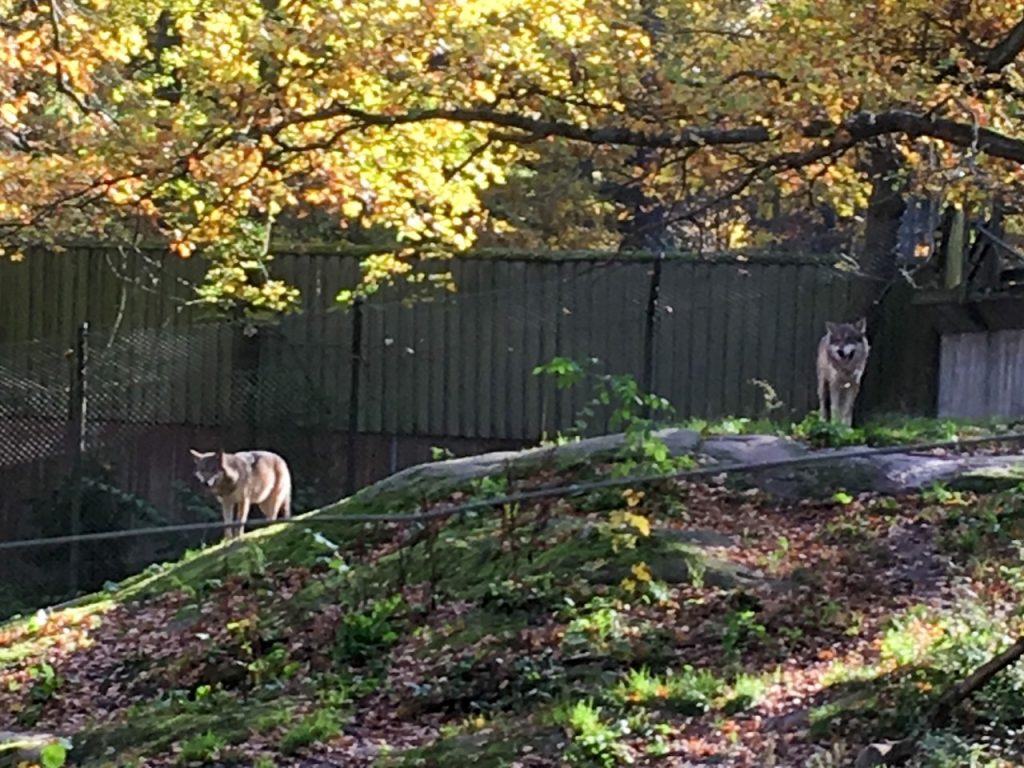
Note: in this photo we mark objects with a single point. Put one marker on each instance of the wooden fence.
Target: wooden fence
(459, 366)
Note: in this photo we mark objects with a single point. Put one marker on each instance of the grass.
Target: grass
(319, 726)
(881, 430)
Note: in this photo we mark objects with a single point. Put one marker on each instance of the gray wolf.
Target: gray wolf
(842, 358)
(239, 480)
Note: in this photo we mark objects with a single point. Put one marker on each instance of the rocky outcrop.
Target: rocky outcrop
(845, 469)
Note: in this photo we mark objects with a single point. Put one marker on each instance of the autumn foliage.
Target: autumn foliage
(202, 123)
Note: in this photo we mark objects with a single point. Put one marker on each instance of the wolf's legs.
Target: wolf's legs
(227, 508)
(243, 515)
(822, 397)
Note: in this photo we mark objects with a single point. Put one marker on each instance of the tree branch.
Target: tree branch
(858, 127)
(1006, 50)
(941, 711)
(866, 125)
(538, 127)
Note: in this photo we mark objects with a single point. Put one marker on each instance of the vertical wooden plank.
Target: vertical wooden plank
(469, 368)
(768, 313)
(1000, 366)
(453, 360)
(333, 329)
(372, 368)
(439, 353)
(699, 325)
(682, 320)
(664, 332)
(349, 269)
(806, 339)
(718, 340)
(406, 370)
(735, 303)
(517, 424)
(533, 324)
(423, 362)
(388, 354)
(311, 362)
(501, 311)
(785, 347)
(752, 308)
(1016, 356)
(549, 331)
(485, 301)
(567, 337)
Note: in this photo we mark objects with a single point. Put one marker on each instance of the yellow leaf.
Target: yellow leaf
(641, 572)
(9, 113)
(641, 523)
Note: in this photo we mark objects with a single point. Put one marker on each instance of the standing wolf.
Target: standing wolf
(842, 358)
(239, 480)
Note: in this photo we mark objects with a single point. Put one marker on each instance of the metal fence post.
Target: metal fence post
(353, 393)
(649, 324)
(77, 445)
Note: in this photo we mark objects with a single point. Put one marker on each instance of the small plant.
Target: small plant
(46, 682)
(690, 691)
(826, 434)
(364, 635)
(908, 639)
(321, 725)
(627, 407)
(770, 399)
(273, 668)
(779, 554)
(490, 487)
(943, 496)
(741, 630)
(53, 755)
(201, 748)
(440, 453)
(598, 627)
(592, 741)
(746, 692)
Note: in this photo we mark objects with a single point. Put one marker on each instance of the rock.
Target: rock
(891, 473)
(884, 753)
(679, 442)
(701, 537)
(752, 449)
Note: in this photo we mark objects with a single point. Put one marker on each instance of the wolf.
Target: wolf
(842, 358)
(239, 480)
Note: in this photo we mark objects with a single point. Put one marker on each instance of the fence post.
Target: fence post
(353, 393)
(649, 324)
(77, 436)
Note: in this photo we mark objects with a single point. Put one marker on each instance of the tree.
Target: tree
(204, 122)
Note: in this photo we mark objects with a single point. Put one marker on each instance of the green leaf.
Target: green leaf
(53, 755)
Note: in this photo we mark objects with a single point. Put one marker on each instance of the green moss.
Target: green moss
(474, 626)
(149, 730)
(990, 479)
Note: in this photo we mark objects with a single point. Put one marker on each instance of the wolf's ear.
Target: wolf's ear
(219, 456)
(830, 328)
(861, 325)
(197, 455)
